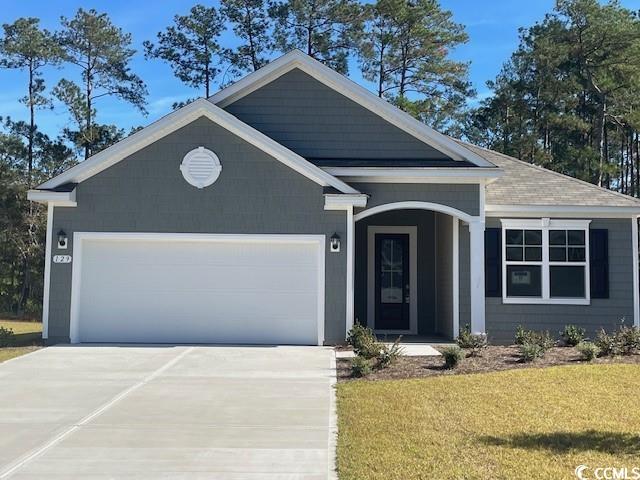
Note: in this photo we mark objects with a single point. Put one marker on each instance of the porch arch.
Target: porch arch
(436, 207)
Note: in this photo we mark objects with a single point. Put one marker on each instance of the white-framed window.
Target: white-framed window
(545, 261)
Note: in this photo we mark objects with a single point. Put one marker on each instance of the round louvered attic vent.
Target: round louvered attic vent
(201, 167)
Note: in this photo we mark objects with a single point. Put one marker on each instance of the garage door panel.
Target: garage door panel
(213, 278)
(199, 291)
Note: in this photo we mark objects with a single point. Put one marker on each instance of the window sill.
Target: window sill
(545, 301)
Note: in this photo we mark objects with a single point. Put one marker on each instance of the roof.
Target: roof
(179, 118)
(353, 91)
(526, 184)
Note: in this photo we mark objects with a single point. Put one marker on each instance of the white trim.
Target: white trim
(455, 175)
(59, 199)
(436, 207)
(80, 237)
(178, 119)
(579, 211)
(47, 272)
(545, 225)
(343, 201)
(455, 253)
(636, 275)
(412, 231)
(350, 270)
(351, 90)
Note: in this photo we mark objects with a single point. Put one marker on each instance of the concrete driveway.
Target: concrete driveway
(214, 412)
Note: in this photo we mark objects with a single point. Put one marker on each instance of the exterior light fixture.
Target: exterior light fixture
(62, 240)
(334, 244)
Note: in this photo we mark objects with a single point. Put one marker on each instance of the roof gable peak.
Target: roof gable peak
(353, 91)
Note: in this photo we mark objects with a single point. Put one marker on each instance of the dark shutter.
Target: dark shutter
(599, 262)
(493, 262)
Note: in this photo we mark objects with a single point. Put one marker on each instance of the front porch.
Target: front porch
(413, 271)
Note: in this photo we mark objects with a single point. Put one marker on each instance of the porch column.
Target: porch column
(476, 260)
(351, 241)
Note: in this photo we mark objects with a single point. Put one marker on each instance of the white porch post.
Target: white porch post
(636, 274)
(476, 260)
(350, 267)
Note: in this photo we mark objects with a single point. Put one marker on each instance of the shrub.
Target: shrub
(388, 355)
(7, 337)
(609, 345)
(628, 339)
(474, 342)
(360, 367)
(588, 350)
(363, 341)
(531, 337)
(572, 335)
(530, 351)
(452, 356)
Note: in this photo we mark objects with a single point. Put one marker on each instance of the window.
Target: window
(545, 261)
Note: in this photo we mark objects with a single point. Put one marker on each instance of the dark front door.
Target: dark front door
(392, 281)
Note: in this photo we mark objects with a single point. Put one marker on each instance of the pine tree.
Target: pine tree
(103, 53)
(251, 23)
(27, 47)
(327, 30)
(405, 50)
(191, 47)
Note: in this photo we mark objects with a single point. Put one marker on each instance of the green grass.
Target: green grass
(517, 424)
(28, 337)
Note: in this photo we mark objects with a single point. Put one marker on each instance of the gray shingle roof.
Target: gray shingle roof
(527, 184)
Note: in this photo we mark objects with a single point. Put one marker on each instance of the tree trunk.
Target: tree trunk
(599, 131)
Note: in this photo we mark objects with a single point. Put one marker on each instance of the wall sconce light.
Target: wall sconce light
(334, 244)
(62, 240)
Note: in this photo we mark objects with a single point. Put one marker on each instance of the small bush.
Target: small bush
(360, 367)
(609, 345)
(572, 335)
(624, 341)
(531, 351)
(522, 335)
(474, 342)
(387, 355)
(7, 337)
(588, 350)
(363, 341)
(628, 339)
(453, 355)
(531, 337)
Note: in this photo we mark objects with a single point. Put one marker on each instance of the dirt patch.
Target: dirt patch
(493, 358)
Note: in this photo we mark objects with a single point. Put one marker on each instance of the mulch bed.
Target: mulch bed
(492, 359)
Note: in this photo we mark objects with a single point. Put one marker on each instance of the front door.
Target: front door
(392, 281)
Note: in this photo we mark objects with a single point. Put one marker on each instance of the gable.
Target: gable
(296, 60)
(152, 177)
(321, 124)
(179, 118)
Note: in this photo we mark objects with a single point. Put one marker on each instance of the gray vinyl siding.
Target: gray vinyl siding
(502, 320)
(444, 275)
(146, 192)
(464, 197)
(424, 221)
(315, 121)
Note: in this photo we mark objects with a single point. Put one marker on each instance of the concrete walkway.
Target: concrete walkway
(158, 412)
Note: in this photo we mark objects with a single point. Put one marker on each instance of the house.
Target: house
(294, 202)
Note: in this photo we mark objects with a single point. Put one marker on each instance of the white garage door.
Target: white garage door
(157, 288)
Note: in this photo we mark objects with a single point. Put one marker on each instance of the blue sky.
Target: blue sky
(492, 27)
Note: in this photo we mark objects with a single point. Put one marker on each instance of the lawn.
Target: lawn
(516, 424)
(28, 337)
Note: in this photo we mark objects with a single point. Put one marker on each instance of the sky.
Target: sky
(492, 26)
